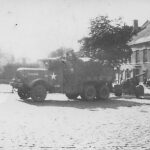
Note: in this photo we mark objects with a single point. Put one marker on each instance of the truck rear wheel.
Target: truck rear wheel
(117, 90)
(89, 92)
(38, 93)
(103, 92)
(23, 93)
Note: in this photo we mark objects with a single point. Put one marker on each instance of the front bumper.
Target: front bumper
(16, 84)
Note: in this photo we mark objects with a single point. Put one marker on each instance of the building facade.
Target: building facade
(140, 58)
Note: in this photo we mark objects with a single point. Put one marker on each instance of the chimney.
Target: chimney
(135, 25)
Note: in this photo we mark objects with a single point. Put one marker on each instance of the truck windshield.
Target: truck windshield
(42, 64)
(51, 64)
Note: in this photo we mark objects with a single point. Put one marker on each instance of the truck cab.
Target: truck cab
(36, 82)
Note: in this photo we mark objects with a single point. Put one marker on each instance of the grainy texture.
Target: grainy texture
(59, 123)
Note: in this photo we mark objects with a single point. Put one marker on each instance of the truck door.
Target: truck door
(55, 75)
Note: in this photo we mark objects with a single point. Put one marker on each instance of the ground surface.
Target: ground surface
(59, 123)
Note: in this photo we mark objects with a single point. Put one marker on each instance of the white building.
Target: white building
(140, 58)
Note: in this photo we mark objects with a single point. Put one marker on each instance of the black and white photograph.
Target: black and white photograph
(74, 75)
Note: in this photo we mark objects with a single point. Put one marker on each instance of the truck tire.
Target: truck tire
(89, 92)
(38, 93)
(117, 90)
(72, 96)
(103, 92)
(139, 91)
(23, 93)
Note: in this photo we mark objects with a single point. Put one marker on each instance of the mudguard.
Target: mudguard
(39, 81)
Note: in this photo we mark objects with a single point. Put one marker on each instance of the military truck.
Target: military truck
(70, 75)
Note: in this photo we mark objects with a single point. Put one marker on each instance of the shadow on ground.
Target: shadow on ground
(112, 103)
(145, 97)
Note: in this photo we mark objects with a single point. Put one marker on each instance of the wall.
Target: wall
(142, 66)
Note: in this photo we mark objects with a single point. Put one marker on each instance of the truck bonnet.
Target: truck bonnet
(26, 72)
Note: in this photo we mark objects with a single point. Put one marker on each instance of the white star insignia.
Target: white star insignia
(53, 76)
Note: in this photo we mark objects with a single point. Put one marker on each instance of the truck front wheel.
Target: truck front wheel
(23, 93)
(38, 93)
(103, 92)
(89, 92)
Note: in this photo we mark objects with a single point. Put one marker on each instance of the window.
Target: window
(145, 55)
(136, 71)
(137, 56)
(130, 59)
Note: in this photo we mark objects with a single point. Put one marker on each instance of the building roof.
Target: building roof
(142, 36)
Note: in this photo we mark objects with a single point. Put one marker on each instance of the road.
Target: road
(59, 123)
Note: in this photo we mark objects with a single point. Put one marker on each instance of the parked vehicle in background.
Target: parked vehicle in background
(130, 86)
(71, 75)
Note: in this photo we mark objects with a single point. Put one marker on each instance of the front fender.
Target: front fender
(38, 81)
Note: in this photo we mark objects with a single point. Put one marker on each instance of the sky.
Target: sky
(34, 28)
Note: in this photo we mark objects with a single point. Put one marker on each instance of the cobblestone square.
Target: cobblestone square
(59, 123)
